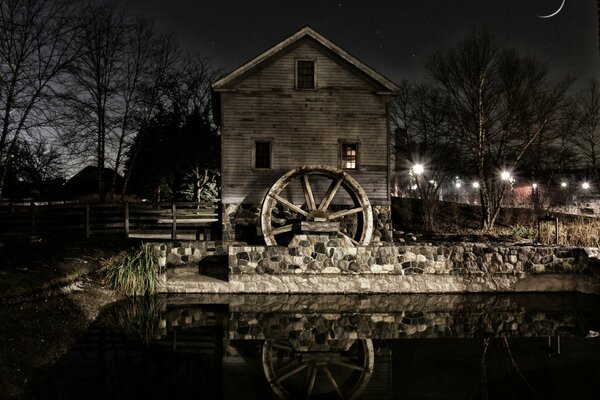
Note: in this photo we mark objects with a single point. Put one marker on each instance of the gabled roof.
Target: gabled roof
(302, 33)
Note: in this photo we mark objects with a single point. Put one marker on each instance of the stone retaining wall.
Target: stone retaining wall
(188, 252)
(311, 254)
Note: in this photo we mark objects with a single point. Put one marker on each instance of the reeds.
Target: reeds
(584, 232)
(133, 273)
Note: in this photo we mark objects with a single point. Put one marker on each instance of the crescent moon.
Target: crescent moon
(555, 12)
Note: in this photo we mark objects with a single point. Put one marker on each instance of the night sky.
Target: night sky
(394, 37)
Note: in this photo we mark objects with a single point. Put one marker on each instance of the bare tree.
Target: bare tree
(587, 118)
(92, 92)
(37, 44)
(162, 75)
(501, 102)
(420, 120)
(138, 53)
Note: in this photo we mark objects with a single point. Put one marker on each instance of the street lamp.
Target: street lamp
(585, 185)
(505, 175)
(475, 185)
(418, 169)
(563, 184)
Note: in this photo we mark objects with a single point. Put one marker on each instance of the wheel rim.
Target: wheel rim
(327, 375)
(272, 228)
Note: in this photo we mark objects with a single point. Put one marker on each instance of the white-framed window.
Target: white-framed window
(349, 155)
(263, 154)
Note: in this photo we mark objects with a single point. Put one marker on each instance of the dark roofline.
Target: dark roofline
(390, 86)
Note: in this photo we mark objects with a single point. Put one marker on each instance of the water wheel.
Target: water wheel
(328, 375)
(275, 224)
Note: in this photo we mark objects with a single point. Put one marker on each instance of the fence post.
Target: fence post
(174, 221)
(87, 220)
(32, 209)
(126, 224)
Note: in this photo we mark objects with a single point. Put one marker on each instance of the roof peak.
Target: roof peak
(307, 31)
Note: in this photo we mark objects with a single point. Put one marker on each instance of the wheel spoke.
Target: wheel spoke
(292, 372)
(333, 382)
(289, 366)
(311, 381)
(343, 213)
(348, 365)
(282, 229)
(333, 188)
(289, 204)
(354, 242)
(308, 194)
(280, 345)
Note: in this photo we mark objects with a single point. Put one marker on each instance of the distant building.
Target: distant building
(305, 101)
(85, 183)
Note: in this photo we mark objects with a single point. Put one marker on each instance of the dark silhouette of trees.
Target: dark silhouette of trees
(421, 121)
(587, 119)
(37, 45)
(176, 155)
(500, 102)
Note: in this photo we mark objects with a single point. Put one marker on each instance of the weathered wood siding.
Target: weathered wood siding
(305, 126)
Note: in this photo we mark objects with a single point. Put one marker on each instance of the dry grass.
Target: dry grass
(132, 273)
(584, 232)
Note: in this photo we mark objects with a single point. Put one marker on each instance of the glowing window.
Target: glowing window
(349, 155)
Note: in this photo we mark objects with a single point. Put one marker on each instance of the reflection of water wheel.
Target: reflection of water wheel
(311, 211)
(293, 375)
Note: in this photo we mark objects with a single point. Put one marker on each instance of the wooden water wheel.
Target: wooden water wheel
(341, 374)
(274, 225)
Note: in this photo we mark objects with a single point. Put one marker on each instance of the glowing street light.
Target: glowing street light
(563, 184)
(475, 185)
(457, 185)
(418, 169)
(534, 186)
(585, 186)
(505, 175)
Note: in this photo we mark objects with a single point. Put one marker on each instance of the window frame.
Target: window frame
(296, 77)
(341, 144)
(254, 144)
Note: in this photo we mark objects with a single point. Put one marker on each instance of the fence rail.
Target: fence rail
(179, 220)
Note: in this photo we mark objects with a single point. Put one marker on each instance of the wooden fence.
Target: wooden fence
(181, 220)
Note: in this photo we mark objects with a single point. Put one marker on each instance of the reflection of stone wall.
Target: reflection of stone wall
(310, 320)
(241, 222)
(309, 329)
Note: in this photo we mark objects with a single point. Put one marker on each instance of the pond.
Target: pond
(335, 346)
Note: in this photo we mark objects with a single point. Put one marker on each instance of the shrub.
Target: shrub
(133, 273)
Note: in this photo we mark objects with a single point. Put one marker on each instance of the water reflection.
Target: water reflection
(229, 347)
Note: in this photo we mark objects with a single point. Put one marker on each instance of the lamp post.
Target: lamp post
(476, 186)
(415, 171)
(585, 186)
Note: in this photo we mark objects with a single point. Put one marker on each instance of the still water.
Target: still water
(335, 346)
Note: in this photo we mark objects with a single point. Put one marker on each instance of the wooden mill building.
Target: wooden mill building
(304, 101)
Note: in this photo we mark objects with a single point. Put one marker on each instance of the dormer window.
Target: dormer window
(305, 74)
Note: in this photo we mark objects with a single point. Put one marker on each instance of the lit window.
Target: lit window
(305, 74)
(262, 155)
(349, 155)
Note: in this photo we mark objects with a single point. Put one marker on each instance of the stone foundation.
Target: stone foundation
(322, 264)
(312, 254)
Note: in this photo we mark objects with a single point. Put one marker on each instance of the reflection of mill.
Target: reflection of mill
(236, 347)
(343, 374)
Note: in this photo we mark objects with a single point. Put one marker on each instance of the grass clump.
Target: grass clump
(137, 317)
(133, 273)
